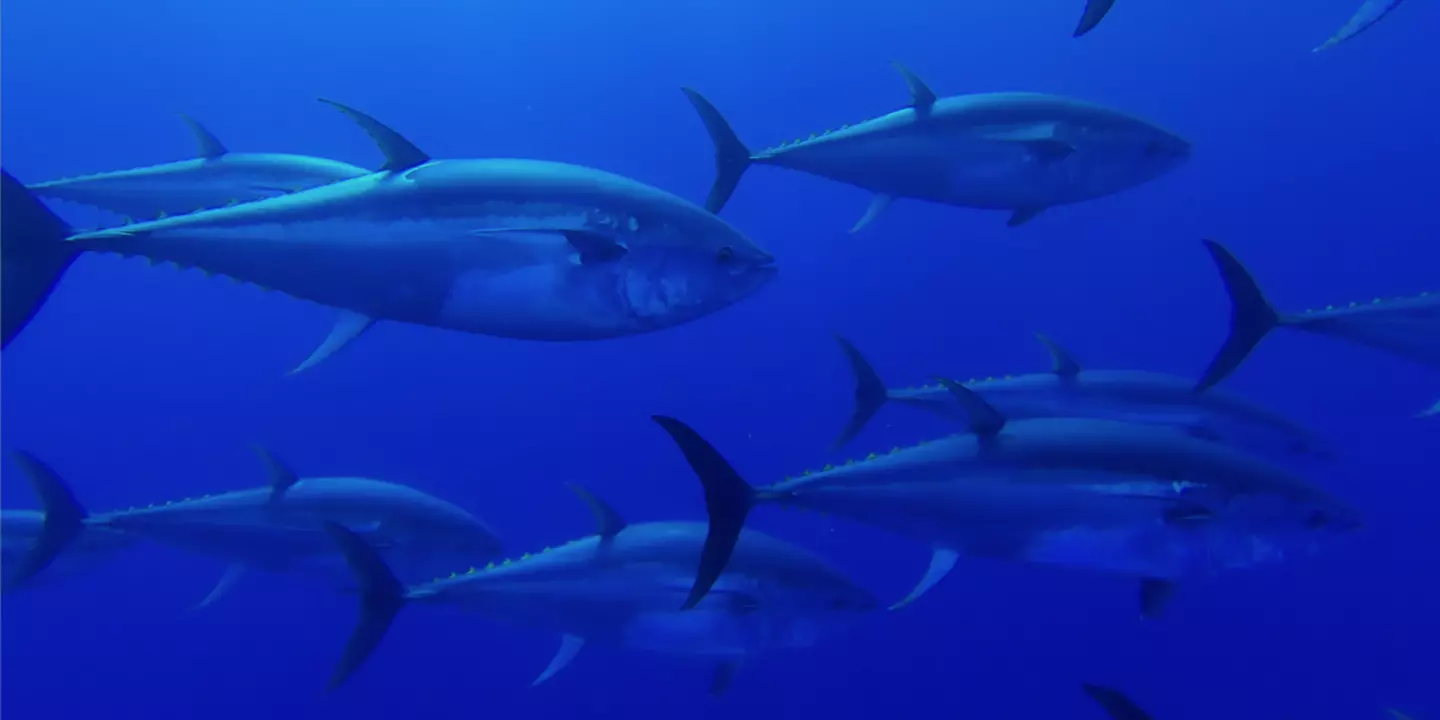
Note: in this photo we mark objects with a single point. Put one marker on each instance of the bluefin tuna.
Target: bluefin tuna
(623, 587)
(1127, 498)
(278, 527)
(215, 177)
(1407, 327)
(1020, 152)
(510, 248)
(1370, 12)
(27, 535)
(1069, 390)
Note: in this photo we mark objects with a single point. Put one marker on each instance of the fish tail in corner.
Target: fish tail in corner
(381, 597)
(64, 520)
(870, 392)
(728, 499)
(732, 158)
(35, 256)
(1115, 703)
(1251, 316)
(1095, 11)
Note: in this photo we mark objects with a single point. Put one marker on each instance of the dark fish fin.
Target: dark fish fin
(1049, 151)
(570, 646)
(348, 326)
(1094, 12)
(282, 478)
(984, 418)
(381, 597)
(876, 207)
(1155, 594)
(207, 146)
(1187, 514)
(224, 586)
(922, 98)
(732, 158)
(1251, 316)
(870, 392)
(594, 248)
(608, 523)
(34, 256)
(1022, 215)
(400, 154)
(1115, 703)
(728, 499)
(1062, 363)
(64, 519)
(723, 677)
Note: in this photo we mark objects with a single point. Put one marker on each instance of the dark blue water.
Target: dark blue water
(141, 384)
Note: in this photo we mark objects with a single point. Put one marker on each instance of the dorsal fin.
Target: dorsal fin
(608, 523)
(1062, 362)
(985, 420)
(207, 146)
(400, 154)
(922, 98)
(282, 478)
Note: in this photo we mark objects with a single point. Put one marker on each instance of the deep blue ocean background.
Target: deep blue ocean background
(144, 384)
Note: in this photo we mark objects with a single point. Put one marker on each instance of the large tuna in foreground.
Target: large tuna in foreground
(510, 248)
(1019, 152)
(624, 586)
(1142, 500)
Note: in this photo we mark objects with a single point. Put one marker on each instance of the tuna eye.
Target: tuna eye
(726, 254)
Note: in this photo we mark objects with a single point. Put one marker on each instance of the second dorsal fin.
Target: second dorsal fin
(985, 420)
(1062, 362)
(922, 98)
(608, 523)
(400, 154)
(207, 146)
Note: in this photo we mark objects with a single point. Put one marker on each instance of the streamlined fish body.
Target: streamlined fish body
(510, 248)
(276, 528)
(1137, 499)
(625, 586)
(1407, 327)
(1020, 152)
(214, 178)
(1069, 390)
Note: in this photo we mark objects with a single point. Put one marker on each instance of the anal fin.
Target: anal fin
(1022, 215)
(349, 326)
(941, 563)
(224, 586)
(1155, 594)
(570, 646)
(877, 206)
(723, 677)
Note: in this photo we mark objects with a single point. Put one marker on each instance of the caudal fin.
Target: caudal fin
(1251, 316)
(728, 499)
(732, 158)
(64, 519)
(870, 392)
(1115, 703)
(381, 597)
(1095, 11)
(34, 256)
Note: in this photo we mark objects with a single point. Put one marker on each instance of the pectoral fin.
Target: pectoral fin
(349, 326)
(570, 646)
(877, 206)
(941, 563)
(227, 582)
(594, 248)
